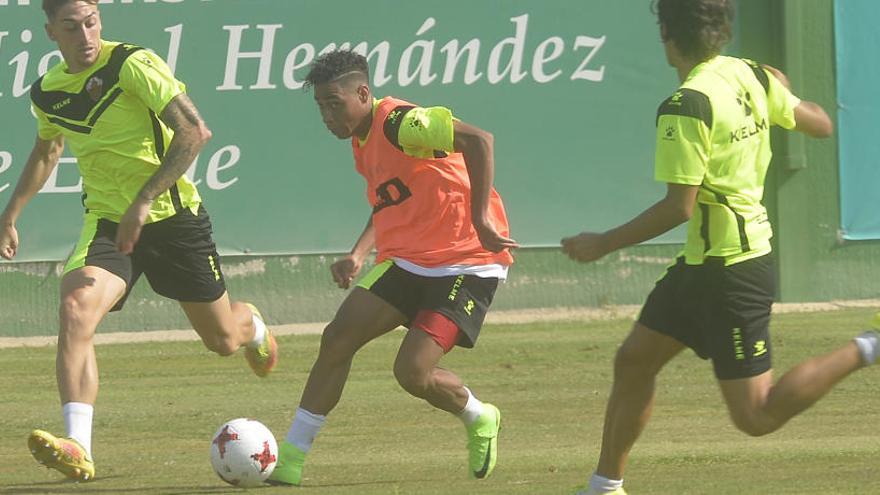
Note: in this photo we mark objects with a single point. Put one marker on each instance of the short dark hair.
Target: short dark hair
(331, 65)
(51, 7)
(699, 28)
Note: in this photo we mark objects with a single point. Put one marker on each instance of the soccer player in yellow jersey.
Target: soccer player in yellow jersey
(712, 151)
(134, 132)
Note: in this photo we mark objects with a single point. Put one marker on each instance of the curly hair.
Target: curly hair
(51, 7)
(332, 65)
(699, 28)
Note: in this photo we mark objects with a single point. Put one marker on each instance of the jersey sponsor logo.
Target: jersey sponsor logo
(760, 348)
(394, 116)
(738, 350)
(669, 133)
(214, 267)
(747, 131)
(455, 287)
(95, 88)
(391, 193)
(416, 124)
(469, 307)
(744, 99)
(61, 104)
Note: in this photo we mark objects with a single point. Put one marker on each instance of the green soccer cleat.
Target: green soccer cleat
(63, 454)
(263, 358)
(289, 468)
(483, 442)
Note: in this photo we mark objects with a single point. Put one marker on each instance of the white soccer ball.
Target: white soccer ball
(243, 452)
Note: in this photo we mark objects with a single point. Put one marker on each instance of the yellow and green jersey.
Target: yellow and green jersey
(422, 132)
(108, 116)
(714, 132)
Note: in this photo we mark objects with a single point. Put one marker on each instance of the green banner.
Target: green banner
(568, 88)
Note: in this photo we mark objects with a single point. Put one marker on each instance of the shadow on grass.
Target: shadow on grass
(67, 486)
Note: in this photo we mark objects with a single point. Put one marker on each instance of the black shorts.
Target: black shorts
(721, 312)
(177, 255)
(464, 299)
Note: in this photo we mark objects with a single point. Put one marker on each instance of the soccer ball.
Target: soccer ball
(243, 452)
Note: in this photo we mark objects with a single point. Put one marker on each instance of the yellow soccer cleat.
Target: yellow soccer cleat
(63, 454)
(263, 358)
(483, 442)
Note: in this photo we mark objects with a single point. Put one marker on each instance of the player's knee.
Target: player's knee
(337, 343)
(223, 345)
(630, 360)
(411, 377)
(752, 424)
(77, 318)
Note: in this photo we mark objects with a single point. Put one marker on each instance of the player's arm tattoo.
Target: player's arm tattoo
(190, 135)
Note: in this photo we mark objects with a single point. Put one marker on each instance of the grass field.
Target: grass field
(160, 404)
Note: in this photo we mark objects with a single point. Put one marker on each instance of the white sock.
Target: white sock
(867, 343)
(601, 484)
(259, 333)
(78, 421)
(472, 409)
(304, 428)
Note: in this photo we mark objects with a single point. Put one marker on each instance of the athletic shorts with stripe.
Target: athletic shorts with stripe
(177, 255)
(462, 299)
(721, 312)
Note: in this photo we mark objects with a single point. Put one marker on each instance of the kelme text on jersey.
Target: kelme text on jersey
(746, 132)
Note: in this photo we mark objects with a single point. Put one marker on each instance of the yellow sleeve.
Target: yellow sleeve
(146, 75)
(45, 129)
(780, 103)
(427, 129)
(684, 138)
(682, 153)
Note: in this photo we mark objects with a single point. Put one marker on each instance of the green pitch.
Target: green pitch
(160, 403)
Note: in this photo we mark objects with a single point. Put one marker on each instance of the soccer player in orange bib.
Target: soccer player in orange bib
(442, 240)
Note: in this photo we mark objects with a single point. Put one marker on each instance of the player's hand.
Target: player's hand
(8, 240)
(345, 269)
(130, 225)
(778, 74)
(585, 247)
(491, 239)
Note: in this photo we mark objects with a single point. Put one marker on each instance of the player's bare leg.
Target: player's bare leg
(226, 325)
(758, 407)
(416, 370)
(87, 295)
(362, 317)
(636, 365)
